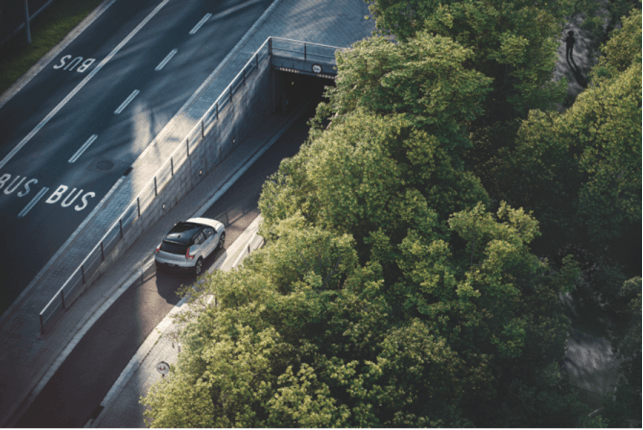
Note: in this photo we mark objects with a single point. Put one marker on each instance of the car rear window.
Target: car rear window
(174, 248)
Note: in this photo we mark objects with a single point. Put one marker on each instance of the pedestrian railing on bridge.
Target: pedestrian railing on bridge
(273, 48)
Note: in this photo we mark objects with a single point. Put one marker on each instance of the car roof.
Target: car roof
(182, 232)
(206, 222)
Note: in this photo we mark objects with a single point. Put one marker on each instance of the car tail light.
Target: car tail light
(188, 256)
(158, 248)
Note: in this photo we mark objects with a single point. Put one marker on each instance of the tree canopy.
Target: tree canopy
(580, 170)
(400, 284)
(513, 43)
(305, 335)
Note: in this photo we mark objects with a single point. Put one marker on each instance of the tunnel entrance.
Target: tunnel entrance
(292, 89)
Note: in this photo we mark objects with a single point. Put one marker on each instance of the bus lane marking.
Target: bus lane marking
(75, 62)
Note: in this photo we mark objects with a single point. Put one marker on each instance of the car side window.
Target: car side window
(209, 232)
(199, 239)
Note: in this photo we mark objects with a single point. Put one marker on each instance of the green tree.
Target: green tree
(424, 78)
(305, 335)
(580, 171)
(370, 173)
(514, 43)
(387, 294)
(623, 408)
(622, 49)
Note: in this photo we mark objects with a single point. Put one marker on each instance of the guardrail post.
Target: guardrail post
(62, 296)
(304, 51)
(42, 325)
(244, 77)
(257, 59)
(138, 206)
(217, 110)
(172, 165)
(270, 46)
(187, 145)
(120, 224)
(82, 271)
(202, 128)
(231, 92)
(156, 191)
(102, 251)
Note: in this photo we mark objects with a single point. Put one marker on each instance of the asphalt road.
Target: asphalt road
(75, 391)
(69, 135)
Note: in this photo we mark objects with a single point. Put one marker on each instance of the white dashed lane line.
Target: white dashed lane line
(167, 58)
(127, 101)
(33, 202)
(200, 23)
(83, 148)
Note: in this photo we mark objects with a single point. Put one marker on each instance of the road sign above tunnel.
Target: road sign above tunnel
(317, 68)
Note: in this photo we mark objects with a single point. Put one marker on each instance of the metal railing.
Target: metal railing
(289, 48)
(83, 273)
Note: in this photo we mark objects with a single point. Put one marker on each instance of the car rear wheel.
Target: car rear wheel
(222, 240)
(198, 267)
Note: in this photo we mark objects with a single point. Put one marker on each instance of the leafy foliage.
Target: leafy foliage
(624, 407)
(305, 335)
(514, 43)
(393, 291)
(424, 78)
(580, 171)
(370, 174)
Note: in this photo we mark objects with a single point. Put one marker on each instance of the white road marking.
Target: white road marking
(33, 202)
(200, 23)
(42, 123)
(127, 101)
(166, 59)
(83, 148)
(235, 9)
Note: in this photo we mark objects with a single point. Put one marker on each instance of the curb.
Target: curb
(81, 328)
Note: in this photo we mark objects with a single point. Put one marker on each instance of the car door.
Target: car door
(210, 242)
(199, 242)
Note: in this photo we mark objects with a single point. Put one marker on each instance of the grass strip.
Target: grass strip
(47, 30)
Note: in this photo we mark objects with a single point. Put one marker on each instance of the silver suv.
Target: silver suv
(189, 243)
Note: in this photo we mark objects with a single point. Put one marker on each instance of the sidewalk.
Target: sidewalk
(28, 360)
